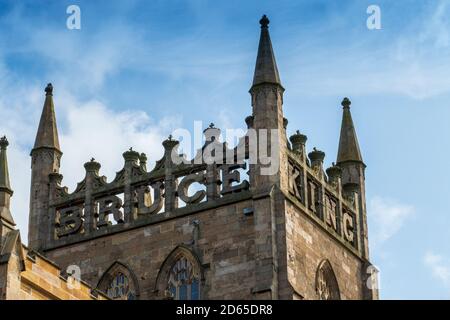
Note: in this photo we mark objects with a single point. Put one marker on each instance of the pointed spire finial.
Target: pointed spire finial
(4, 172)
(5, 187)
(47, 134)
(348, 142)
(264, 22)
(266, 70)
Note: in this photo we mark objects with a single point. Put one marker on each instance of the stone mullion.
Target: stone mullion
(90, 213)
(55, 180)
(89, 208)
(128, 197)
(212, 182)
(340, 217)
(170, 187)
(131, 158)
(170, 183)
(322, 204)
(305, 188)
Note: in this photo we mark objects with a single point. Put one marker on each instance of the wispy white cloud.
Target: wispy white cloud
(388, 216)
(440, 267)
(436, 29)
(412, 62)
(94, 130)
(83, 60)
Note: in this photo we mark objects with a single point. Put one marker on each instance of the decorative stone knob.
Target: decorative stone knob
(143, 158)
(92, 166)
(4, 143)
(264, 21)
(131, 155)
(346, 102)
(316, 156)
(170, 143)
(298, 141)
(211, 133)
(334, 172)
(249, 121)
(49, 89)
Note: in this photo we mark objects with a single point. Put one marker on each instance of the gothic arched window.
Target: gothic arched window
(183, 282)
(119, 283)
(326, 284)
(180, 276)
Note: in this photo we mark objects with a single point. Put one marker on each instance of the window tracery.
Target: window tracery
(119, 288)
(119, 283)
(326, 284)
(183, 282)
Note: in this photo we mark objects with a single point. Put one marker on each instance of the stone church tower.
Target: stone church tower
(197, 229)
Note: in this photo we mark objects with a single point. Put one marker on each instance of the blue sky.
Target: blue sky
(138, 69)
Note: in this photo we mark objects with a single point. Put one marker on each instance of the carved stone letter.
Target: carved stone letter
(314, 198)
(109, 205)
(183, 188)
(330, 216)
(69, 221)
(295, 182)
(230, 175)
(348, 227)
(145, 203)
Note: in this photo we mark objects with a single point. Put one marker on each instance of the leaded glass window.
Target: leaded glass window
(119, 288)
(183, 281)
